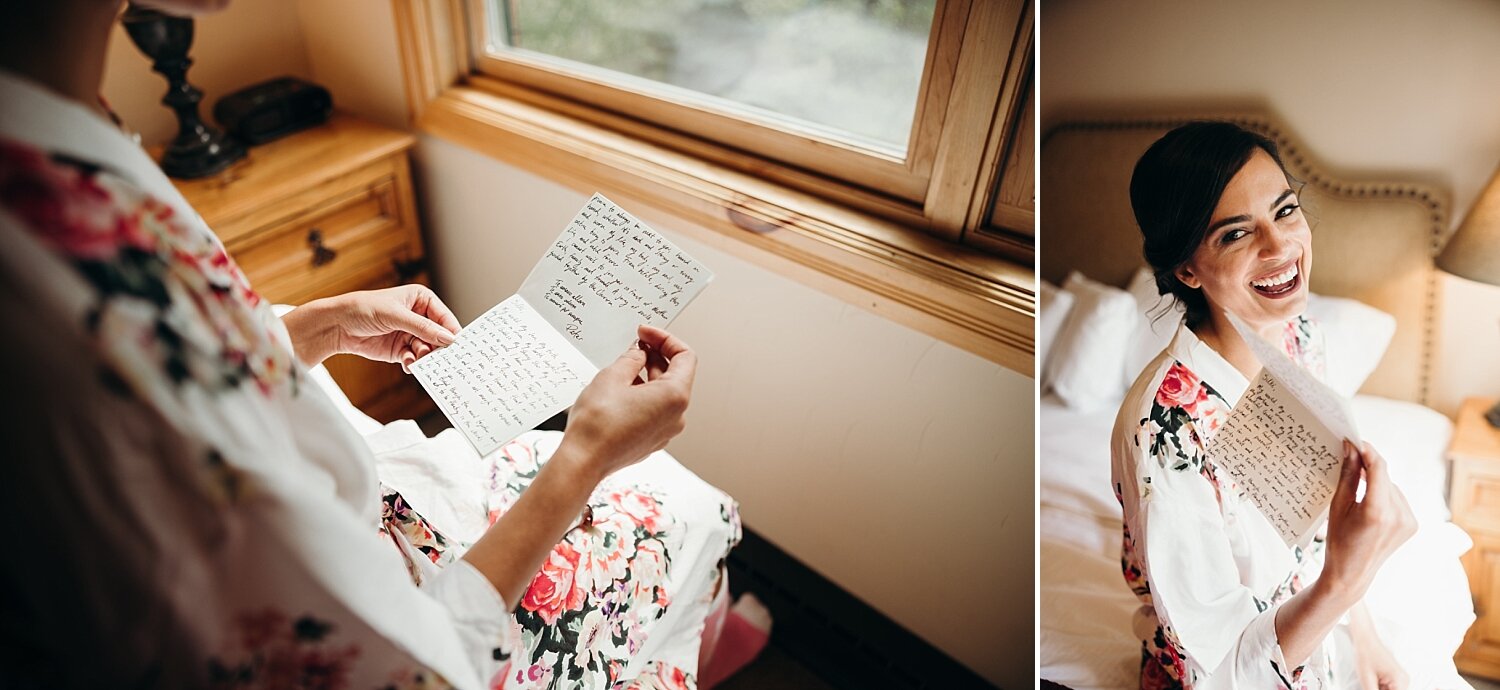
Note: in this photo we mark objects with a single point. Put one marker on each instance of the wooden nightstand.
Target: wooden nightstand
(321, 212)
(1475, 500)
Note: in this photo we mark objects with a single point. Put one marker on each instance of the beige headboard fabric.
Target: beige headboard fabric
(1373, 241)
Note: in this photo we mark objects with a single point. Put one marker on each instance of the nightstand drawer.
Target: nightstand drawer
(1481, 645)
(332, 245)
(1476, 502)
(322, 212)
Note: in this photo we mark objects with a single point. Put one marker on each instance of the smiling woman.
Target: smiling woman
(1198, 194)
(1223, 598)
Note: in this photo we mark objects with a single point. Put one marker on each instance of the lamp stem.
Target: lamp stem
(199, 150)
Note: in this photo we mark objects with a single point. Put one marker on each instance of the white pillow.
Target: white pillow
(1160, 315)
(1355, 337)
(1054, 305)
(1089, 354)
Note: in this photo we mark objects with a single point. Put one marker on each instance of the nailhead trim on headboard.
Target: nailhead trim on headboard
(1303, 166)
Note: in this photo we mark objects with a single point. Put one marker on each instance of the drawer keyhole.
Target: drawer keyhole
(321, 253)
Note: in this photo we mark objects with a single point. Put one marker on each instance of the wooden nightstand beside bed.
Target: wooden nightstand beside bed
(1475, 499)
(321, 212)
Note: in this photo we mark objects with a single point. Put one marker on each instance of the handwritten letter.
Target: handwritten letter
(508, 372)
(1283, 442)
(530, 356)
(606, 273)
(1286, 462)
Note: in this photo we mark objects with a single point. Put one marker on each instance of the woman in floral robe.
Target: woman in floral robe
(1225, 602)
(193, 511)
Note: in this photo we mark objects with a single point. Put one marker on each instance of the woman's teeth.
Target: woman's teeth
(1276, 282)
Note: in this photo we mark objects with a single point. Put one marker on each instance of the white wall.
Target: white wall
(251, 41)
(1383, 85)
(352, 51)
(896, 465)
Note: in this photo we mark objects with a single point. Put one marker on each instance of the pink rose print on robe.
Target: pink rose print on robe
(661, 676)
(640, 506)
(1181, 388)
(604, 551)
(554, 589)
(650, 566)
(79, 215)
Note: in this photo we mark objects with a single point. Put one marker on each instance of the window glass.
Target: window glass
(850, 69)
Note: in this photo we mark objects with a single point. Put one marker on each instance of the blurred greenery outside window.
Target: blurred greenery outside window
(847, 70)
(885, 137)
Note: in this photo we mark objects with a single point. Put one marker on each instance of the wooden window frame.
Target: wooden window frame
(888, 252)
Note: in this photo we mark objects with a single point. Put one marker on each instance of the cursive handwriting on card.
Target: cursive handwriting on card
(606, 273)
(1283, 459)
(505, 373)
(530, 356)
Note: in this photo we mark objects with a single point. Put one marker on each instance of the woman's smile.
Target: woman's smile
(1280, 283)
(1256, 259)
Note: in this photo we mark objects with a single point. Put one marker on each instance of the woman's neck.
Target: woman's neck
(1217, 333)
(60, 44)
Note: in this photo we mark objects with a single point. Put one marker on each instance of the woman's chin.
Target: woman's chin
(1283, 309)
(1262, 314)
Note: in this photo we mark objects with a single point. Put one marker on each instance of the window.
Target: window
(844, 70)
(880, 135)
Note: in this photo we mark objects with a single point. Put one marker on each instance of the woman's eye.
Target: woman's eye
(1233, 235)
(1286, 210)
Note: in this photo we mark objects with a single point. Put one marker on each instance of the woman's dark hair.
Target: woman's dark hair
(1175, 187)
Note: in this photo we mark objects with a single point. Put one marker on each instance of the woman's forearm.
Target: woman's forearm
(1306, 619)
(311, 328)
(1361, 626)
(512, 551)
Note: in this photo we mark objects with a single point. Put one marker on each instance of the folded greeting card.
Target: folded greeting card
(529, 357)
(1283, 442)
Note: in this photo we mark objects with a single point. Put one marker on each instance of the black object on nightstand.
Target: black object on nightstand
(198, 150)
(273, 109)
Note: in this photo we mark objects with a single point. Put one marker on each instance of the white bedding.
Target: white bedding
(1086, 638)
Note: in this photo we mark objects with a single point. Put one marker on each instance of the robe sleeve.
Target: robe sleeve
(1178, 556)
(167, 534)
(1225, 636)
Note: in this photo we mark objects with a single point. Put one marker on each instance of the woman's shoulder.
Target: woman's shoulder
(1163, 371)
(156, 291)
(1167, 415)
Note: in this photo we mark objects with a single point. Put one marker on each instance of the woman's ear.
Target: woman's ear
(1186, 277)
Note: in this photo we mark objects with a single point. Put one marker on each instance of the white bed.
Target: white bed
(1086, 639)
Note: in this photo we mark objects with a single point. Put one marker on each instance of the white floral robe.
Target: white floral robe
(1208, 567)
(190, 510)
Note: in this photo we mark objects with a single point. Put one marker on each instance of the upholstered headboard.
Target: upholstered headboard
(1373, 241)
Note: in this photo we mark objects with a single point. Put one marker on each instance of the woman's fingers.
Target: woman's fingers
(656, 365)
(422, 327)
(1348, 485)
(666, 343)
(682, 362)
(625, 368)
(429, 305)
(1377, 474)
(418, 349)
